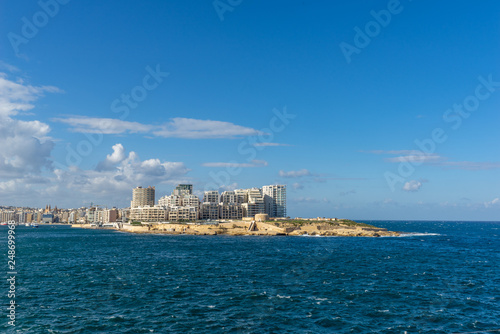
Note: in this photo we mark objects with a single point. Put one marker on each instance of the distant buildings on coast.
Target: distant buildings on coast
(181, 205)
(92, 214)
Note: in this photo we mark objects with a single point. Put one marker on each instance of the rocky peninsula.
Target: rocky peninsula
(283, 227)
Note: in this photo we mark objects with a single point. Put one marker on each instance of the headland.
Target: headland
(278, 227)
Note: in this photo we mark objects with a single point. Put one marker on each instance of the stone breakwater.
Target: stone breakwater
(350, 229)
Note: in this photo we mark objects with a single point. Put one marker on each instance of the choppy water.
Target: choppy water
(441, 277)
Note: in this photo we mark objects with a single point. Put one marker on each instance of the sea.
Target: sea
(437, 277)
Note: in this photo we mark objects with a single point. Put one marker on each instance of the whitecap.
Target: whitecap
(417, 234)
(287, 297)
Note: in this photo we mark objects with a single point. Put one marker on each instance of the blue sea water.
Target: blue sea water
(440, 277)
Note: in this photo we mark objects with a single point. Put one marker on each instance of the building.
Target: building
(110, 216)
(172, 200)
(72, 217)
(29, 217)
(211, 196)
(241, 196)
(47, 218)
(123, 215)
(148, 214)
(230, 211)
(184, 213)
(209, 211)
(228, 197)
(255, 203)
(64, 216)
(6, 216)
(143, 197)
(93, 215)
(182, 205)
(275, 200)
(190, 200)
(183, 190)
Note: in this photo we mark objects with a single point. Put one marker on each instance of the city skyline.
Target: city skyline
(181, 205)
(383, 110)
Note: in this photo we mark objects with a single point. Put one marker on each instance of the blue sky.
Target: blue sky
(330, 99)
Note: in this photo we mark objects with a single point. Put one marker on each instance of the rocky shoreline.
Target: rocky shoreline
(341, 228)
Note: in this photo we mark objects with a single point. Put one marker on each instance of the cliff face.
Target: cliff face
(293, 228)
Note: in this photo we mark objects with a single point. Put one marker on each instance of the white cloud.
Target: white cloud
(412, 186)
(187, 128)
(417, 158)
(295, 173)
(495, 202)
(298, 186)
(112, 159)
(196, 128)
(119, 173)
(17, 96)
(253, 163)
(103, 125)
(25, 146)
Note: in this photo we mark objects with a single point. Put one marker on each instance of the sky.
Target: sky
(367, 110)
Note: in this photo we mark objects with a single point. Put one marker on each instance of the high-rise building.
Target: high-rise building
(275, 200)
(143, 197)
(191, 200)
(183, 190)
(209, 210)
(211, 196)
(254, 204)
(230, 211)
(228, 197)
(241, 196)
(172, 200)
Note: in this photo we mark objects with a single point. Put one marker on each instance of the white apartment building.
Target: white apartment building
(172, 200)
(190, 200)
(188, 213)
(228, 197)
(148, 214)
(241, 196)
(255, 203)
(230, 211)
(275, 200)
(211, 196)
(93, 215)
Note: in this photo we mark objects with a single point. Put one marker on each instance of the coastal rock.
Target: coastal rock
(344, 228)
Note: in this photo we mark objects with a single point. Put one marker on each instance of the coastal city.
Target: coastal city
(253, 211)
(181, 206)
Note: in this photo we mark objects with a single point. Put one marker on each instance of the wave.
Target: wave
(417, 234)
